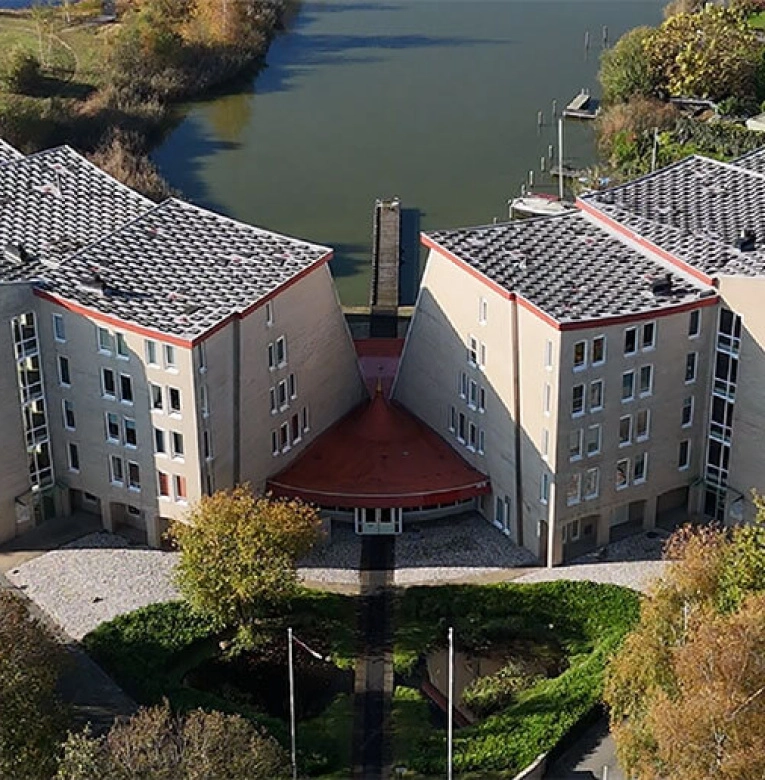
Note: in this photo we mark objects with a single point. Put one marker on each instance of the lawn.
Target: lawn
(757, 21)
(165, 650)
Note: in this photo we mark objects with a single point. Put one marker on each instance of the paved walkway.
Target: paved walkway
(588, 757)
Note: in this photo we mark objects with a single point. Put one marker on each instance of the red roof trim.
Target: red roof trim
(595, 212)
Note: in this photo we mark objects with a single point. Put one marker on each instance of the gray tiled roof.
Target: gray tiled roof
(567, 267)
(696, 209)
(7, 152)
(53, 203)
(172, 267)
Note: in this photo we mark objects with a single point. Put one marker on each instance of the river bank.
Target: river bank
(109, 88)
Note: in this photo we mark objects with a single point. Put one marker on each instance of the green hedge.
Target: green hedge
(587, 620)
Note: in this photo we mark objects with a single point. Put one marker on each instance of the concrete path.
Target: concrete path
(591, 757)
(374, 667)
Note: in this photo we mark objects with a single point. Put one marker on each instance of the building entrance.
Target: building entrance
(378, 521)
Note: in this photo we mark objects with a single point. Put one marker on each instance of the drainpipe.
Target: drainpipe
(517, 421)
(237, 393)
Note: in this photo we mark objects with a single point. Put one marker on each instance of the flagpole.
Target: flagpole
(450, 712)
(293, 750)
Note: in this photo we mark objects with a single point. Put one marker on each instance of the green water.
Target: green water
(433, 102)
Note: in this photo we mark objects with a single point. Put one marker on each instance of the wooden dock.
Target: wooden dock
(386, 255)
(583, 106)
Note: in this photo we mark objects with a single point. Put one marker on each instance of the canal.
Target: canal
(432, 101)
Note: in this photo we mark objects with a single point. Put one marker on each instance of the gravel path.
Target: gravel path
(95, 579)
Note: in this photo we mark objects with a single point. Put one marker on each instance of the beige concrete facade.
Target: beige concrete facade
(553, 461)
(139, 425)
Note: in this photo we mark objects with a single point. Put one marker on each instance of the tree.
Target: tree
(625, 69)
(238, 556)
(19, 71)
(157, 745)
(709, 54)
(687, 689)
(32, 719)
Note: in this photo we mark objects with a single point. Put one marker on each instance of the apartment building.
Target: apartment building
(570, 368)
(160, 351)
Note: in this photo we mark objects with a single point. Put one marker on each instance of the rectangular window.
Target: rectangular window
(204, 401)
(163, 484)
(472, 436)
(116, 470)
(622, 473)
(271, 357)
(482, 399)
(591, 483)
(126, 389)
(74, 457)
(574, 489)
(284, 437)
(150, 352)
(64, 377)
(463, 384)
(628, 385)
(694, 324)
(281, 394)
(577, 400)
(483, 311)
(547, 398)
(281, 351)
(598, 350)
(687, 415)
(68, 408)
(122, 347)
(174, 400)
(134, 476)
(59, 333)
(642, 424)
(646, 380)
(269, 313)
(575, 444)
(160, 445)
(202, 353)
(630, 341)
(113, 428)
(179, 484)
(272, 398)
(548, 355)
(625, 430)
(155, 395)
(580, 355)
(684, 454)
(481, 442)
(462, 428)
(544, 488)
(482, 364)
(305, 420)
(274, 443)
(452, 419)
(207, 449)
(593, 440)
(108, 384)
(690, 367)
(176, 440)
(104, 341)
(473, 394)
(596, 395)
(649, 335)
(295, 426)
(571, 531)
(131, 435)
(472, 353)
(545, 442)
(640, 468)
(170, 358)
(293, 386)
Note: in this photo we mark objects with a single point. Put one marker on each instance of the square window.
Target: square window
(163, 484)
(598, 350)
(574, 489)
(126, 389)
(105, 344)
(155, 393)
(59, 333)
(593, 440)
(113, 428)
(630, 341)
(690, 367)
(684, 454)
(108, 383)
(176, 440)
(64, 377)
(577, 400)
(694, 324)
(174, 400)
(575, 444)
(131, 435)
(596, 395)
(580, 354)
(122, 347)
(170, 356)
(591, 483)
(687, 415)
(625, 430)
(642, 424)
(116, 469)
(150, 351)
(622, 473)
(160, 445)
(649, 335)
(646, 380)
(640, 468)
(134, 476)
(628, 385)
(74, 457)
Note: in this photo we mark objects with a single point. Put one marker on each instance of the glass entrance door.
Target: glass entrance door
(378, 521)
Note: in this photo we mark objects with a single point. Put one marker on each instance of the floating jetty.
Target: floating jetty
(583, 106)
(567, 172)
(537, 206)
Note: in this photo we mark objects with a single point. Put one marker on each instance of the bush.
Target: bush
(625, 69)
(20, 71)
(494, 691)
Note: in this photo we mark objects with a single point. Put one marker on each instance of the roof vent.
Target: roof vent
(746, 241)
(662, 285)
(15, 254)
(94, 284)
